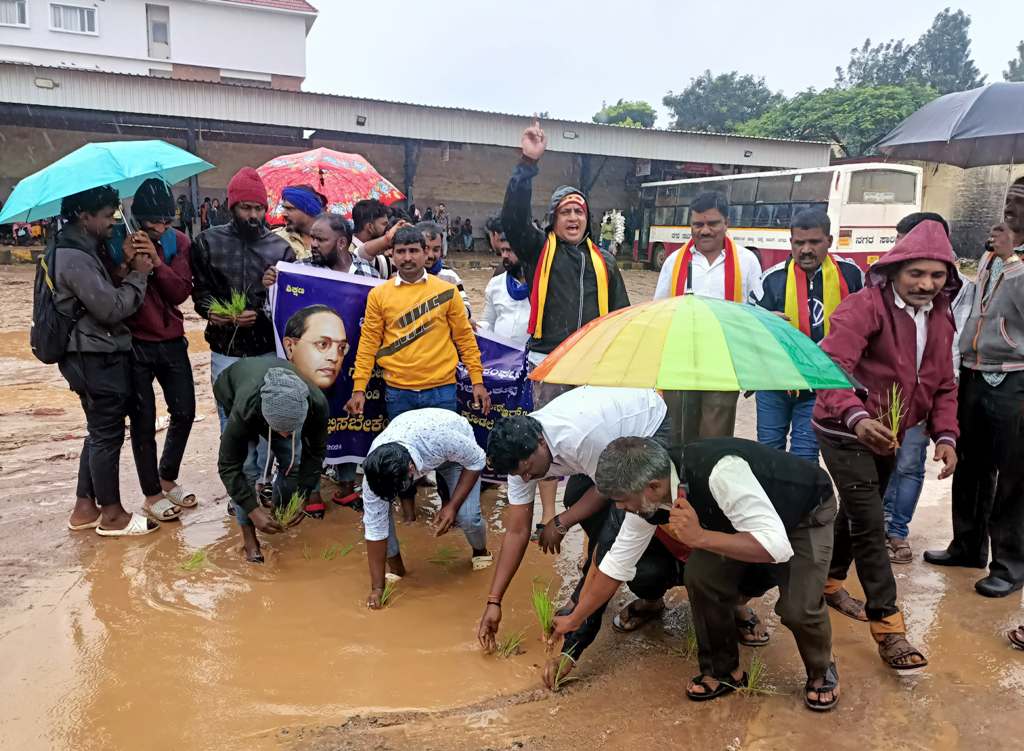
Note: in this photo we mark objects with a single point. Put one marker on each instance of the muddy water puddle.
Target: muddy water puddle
(133, 646)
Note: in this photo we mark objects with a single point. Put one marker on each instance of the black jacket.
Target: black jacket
(774, 295)
(222, 261)
(572, 289)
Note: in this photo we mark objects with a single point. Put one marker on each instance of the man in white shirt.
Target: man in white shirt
(507, 295)
(433, 237)
(413, 444)
(745, 510)
(711, 265)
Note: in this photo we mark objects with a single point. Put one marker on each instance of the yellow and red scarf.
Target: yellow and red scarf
(834, 292)
(733, 275)
(539, 293)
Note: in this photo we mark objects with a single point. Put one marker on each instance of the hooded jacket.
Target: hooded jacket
(874, 341)
(222, 261)
(237, 391)
(81, 275)
(572, 288)
(159, 319)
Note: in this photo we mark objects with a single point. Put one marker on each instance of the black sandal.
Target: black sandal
(830, 683)
(724, 687)
(746, 628)
(1016, 637)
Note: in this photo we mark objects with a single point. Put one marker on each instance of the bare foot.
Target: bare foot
(251, 544)
(408, 510)
(396, 565)
(114, 517)
(825, 697)
(85, 512)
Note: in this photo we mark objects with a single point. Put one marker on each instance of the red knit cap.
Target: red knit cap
(247, 185)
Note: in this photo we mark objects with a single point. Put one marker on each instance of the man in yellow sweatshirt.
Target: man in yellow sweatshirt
(417, 330)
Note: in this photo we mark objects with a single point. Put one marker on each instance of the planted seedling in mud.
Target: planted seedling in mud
(342, 552)
(895, 410)
(195, 561)
(543, 606)
(390, 593)
(689, 648)
(288, 514)
(757, 679)
(231, 308)
(562, 678)
(511, 645)
(445, 556)
(333, 551)
(307, 552)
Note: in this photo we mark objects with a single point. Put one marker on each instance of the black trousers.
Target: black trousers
(988, 484)
(103, 383)
(168, 363)
(860, 477)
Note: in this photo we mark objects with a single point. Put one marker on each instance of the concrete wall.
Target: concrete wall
(214, 36)
(971, 200)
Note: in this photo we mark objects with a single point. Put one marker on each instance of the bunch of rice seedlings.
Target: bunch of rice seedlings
(287, 514)
(445, 556)
(511, 645)
(195, 561)
(342, 552)
(892, 415)
(757, 679)
(333, 551)
(543, 606)
(230, 308)
(565, 660)
(688, 650)
(390, 593)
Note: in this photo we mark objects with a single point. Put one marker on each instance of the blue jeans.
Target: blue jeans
(904, 489)
(468, 519)
(781, 414)
(258, 450)
(406, 400)
(288, 455)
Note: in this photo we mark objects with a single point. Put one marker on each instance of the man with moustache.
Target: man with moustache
(433, 236)
(301, 205)
(804, 290)
(507, 296)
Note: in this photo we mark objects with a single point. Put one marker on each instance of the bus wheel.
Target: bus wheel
(658, 257)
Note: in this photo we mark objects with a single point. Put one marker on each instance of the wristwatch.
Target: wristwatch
(557, 521)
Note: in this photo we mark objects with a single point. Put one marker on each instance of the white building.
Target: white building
(255, 42)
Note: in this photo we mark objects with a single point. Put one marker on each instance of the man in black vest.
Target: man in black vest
(745, 510)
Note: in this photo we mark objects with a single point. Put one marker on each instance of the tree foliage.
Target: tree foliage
(638, 114)
(719, 104)
(1015, 68)
(854, 119)
(940, 58)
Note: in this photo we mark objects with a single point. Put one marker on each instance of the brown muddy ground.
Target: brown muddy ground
(113, 645)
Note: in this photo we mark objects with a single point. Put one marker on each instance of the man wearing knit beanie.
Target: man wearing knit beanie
(265, 397)
(231, 258)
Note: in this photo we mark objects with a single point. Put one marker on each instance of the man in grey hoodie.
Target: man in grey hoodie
(97, 364)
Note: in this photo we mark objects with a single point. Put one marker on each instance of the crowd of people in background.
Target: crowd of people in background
(727, 518)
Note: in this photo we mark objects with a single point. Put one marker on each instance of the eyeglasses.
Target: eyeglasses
(325, 343)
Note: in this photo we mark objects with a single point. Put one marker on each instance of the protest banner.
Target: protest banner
(348, 438)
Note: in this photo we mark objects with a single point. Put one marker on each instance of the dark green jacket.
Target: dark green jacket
(237, 391)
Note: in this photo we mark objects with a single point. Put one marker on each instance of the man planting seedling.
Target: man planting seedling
(894, 338)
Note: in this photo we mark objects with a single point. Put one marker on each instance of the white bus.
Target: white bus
(864, 202)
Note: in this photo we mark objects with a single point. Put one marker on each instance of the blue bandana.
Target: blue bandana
(304, 200)
(436, 268)
(517, 290)
(168, 243)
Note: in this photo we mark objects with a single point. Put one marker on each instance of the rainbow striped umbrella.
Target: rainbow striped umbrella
(692, 343)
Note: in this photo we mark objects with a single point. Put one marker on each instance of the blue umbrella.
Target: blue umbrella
(124, 165)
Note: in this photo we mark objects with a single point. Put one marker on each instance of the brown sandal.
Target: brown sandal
(899, 550)
(895, 651)
(630, 618)
(746, 630)
(1016, 637)
(846, 604)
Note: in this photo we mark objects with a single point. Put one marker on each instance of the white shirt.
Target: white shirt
(741, 498)
(399, 281)
(920, 318)
(502, 314)
(578, 425)
(432, 437)
(452, 277)
(709, 279)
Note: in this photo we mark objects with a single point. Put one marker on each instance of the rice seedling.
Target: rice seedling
(757, 679)
(688, 650)
(307, 552)
(445, 556)
(565, 663)
(390, 593)
(233, 307)
(195, 561)
(543, 606)
(346, 550)
(511, 645)
(893, 413)
(333, 551)
(287, 514)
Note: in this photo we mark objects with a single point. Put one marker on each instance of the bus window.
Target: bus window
(782, 214)
(774, 189)
(764, 215)
(742, 215)
(812, 187)
(663, 215)
(687, 192)
(682, 216)
(743, 191)
(882, 186)
(666, 196)
(724, 187)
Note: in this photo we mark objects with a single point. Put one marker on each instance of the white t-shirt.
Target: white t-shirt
(578, 425)
(504, 315)
(709, 279)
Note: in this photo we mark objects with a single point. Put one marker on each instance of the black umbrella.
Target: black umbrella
(975, 128)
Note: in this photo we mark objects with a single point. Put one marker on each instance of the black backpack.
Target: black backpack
(51, 329)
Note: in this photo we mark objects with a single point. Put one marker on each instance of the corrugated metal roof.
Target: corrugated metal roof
(119, 92)
(299, 6)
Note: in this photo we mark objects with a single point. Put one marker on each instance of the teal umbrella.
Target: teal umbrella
(124, 165)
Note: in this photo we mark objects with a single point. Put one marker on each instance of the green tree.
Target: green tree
(638, 114)
(942, 58)
(853, 119)
(1015, 68)
(719, 104)
(887, 64)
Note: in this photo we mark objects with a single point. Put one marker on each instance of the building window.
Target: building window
(72, 18)
(158, 31)
(14, 13)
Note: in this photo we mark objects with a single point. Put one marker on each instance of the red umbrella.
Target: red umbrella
(342, 178)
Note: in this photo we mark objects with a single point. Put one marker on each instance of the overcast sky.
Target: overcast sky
(565, 58)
